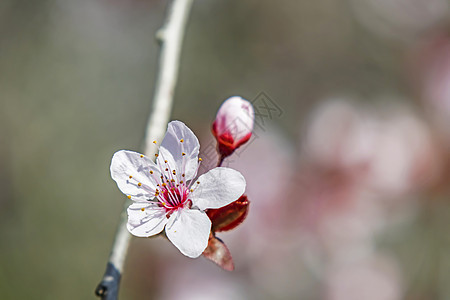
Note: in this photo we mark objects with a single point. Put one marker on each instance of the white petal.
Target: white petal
(128, 163)
(188, 230)
(218, 187)
(172, 149)
(147, 222)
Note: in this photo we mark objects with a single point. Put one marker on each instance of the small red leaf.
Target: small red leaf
(230, 216)
(218, 253)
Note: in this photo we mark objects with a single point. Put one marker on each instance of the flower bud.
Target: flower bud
(233, 125)
(230, 216)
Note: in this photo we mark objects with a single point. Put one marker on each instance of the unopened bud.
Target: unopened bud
(233, 125)
(229, 216)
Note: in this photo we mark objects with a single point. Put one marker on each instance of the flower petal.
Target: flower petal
(146, 219)
(188, 230)
(218, 187)
(179, 139)
(141, 186)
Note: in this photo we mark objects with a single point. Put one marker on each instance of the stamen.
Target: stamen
(142, 156)
(139, 184)
(129, 197)
(142, 209)
(173, 197)
(154, 142)
(183, 161)
(167, 166)
(156, 154)
(130, 176)
(196, 170)
(181, 140)
(151, 172)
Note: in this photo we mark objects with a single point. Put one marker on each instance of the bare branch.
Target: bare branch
(171, 38)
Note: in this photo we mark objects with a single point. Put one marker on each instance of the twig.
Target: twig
(170, 37)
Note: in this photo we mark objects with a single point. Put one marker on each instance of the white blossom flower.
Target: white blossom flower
(165, 194)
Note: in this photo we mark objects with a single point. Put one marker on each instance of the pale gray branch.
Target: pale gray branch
(171, 38)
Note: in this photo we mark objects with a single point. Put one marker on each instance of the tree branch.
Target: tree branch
(171, 38)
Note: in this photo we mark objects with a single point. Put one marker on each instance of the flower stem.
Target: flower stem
(221, 159)
(171, 37)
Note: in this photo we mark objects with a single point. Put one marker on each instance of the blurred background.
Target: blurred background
(348, 168)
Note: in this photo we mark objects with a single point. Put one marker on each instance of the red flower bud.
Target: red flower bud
(229, 216)
(233, 125)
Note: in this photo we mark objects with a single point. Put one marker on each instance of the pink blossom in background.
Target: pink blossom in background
(371, 278)
(407, 157)
(388, 149)
(198, 282)
(339, 135)
(357, 162)
(430, 65)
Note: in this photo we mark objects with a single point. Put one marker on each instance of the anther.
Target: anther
(167, 169)
(181, 140)
(151, 172)
(181, 181)
(183, 175)
(192, 190)
(142, 209)
(200, 159)
(142, 156)
(130, 176)
(129, 197)
(165, 161)
(182, 153)
(156, 154)
(139, 184)
(173, 180)
(154, 142)
(198, 182)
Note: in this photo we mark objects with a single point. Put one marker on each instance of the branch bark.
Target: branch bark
(171, 37)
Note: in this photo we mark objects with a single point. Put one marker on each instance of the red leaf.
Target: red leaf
(230, 216)
(218, 253)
